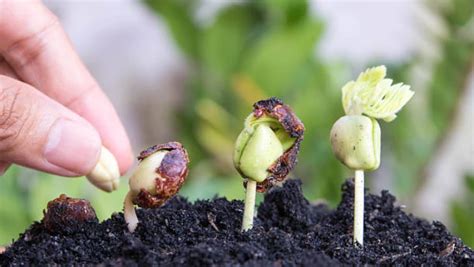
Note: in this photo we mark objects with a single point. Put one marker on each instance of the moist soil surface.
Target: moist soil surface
(288, 231)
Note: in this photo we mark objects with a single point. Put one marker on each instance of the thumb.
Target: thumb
(37, 132)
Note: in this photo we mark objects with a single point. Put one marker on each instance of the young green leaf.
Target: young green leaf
(375, 96)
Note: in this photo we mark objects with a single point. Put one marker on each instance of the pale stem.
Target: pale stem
(359, 207)
(247, 221)
(355, 108)
(129, 213)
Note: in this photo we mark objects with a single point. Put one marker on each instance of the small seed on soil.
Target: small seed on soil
(65, 213)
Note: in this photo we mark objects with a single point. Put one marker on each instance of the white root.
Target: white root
(129, 213)
(359, 207)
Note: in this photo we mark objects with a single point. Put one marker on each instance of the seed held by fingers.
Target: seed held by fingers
(106, 174)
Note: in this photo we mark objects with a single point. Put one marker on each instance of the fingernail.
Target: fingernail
(73, 146)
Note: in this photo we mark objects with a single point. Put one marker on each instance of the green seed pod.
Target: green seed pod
(355, 141)
(258, 152)
(266, 149)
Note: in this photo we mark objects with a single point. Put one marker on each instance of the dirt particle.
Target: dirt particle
(448, 250)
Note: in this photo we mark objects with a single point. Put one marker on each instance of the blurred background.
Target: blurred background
(190, 71)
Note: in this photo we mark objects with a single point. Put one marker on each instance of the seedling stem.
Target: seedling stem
(247, 221)
(359, 207)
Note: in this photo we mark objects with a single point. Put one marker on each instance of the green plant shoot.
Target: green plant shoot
(266, 150)
(356, 137)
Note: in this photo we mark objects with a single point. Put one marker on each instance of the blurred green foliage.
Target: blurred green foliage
(420, 132)
(252, 50)
(256, 49)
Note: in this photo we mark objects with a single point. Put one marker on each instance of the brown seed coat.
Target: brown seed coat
(65, 212)
(170, 174)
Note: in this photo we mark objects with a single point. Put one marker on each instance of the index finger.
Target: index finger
(39, 51)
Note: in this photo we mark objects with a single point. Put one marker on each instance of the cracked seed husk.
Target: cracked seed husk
(159, 176)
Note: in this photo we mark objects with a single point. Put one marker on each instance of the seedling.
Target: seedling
(160, 174)
(266, 150)
(355, 138)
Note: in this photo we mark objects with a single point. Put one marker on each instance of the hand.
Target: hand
(53, 115)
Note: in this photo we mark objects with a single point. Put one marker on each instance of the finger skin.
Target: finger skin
(41, 54)
(6, 70)
(37, 132)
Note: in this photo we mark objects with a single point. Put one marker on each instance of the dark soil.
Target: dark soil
(288, 231)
